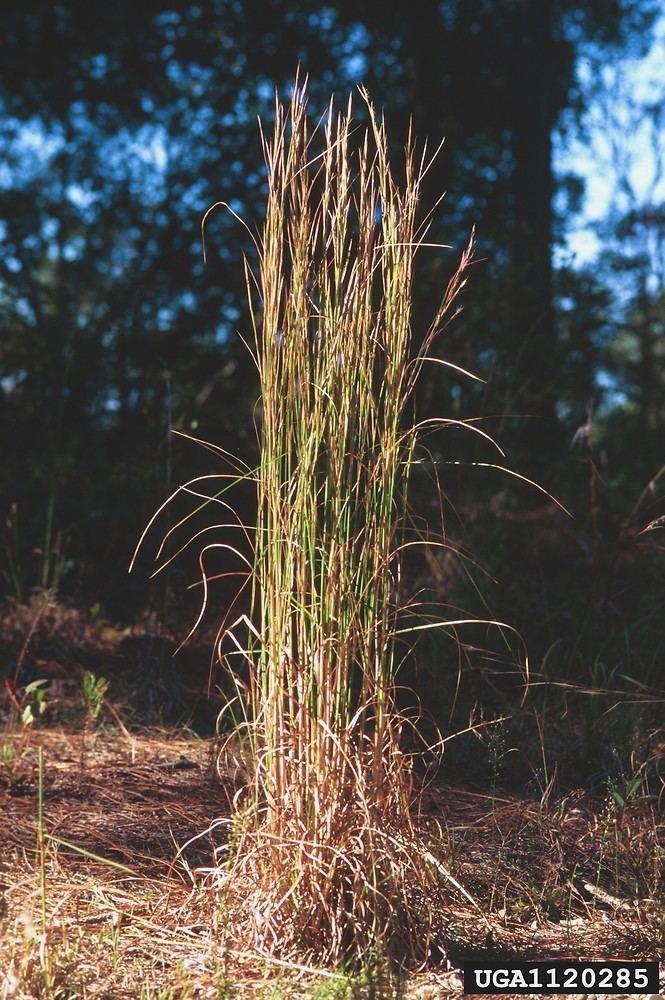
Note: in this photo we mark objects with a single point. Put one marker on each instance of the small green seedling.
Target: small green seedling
(624, 792)
(8, 760)
(38, 706)
(93, 690)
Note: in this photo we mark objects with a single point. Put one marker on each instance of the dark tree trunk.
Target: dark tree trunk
(533, 341)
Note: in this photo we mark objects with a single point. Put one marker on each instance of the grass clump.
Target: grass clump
(328, 858)
(325, 862)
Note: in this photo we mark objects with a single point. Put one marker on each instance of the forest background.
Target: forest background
(122, 124)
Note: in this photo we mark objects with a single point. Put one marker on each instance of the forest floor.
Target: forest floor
(106, 897)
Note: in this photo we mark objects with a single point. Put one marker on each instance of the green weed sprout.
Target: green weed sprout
(93, 690)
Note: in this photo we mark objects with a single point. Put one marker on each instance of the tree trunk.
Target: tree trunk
(533, 341)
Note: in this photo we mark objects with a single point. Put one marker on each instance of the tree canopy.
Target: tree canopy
(123, 124)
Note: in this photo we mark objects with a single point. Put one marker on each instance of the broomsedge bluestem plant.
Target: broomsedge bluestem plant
(325, 863)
